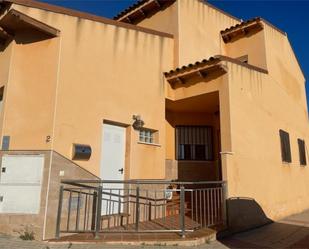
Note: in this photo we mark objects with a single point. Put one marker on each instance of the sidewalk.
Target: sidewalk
(291, 232)
(7, 242)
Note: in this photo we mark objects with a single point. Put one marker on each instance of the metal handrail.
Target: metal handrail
(205, 198)
(73, 182)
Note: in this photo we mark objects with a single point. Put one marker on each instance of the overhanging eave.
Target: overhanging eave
(15, 21)
(203, 72)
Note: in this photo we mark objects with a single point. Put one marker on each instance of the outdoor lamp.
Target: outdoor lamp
(138, 122)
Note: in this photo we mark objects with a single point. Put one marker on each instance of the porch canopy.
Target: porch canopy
(204, 69)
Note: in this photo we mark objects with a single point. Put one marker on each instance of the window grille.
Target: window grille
(194, 143)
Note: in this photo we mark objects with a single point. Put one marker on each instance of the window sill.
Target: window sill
(197, 161)
(151, 144)
(286, 163)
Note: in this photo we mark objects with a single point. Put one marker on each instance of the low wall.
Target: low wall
(15, 224)
(43, 224)
(244, 214)
(198, 171)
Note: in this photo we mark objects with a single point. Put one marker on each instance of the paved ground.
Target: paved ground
(13, 243)
(292, 232)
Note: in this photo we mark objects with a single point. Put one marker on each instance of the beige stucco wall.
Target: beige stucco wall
(260, 106)
(166, 21)
(283, 66)
(97, 72)
(196, 27)
(5, 59)
(199, 31)
(252, 45)
(5, 63)
(30, 91)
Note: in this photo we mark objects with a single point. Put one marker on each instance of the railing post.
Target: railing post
(182, 211)
(94, 210)
(98, 214)
(59, 212)
(137, 209)
(224, 203)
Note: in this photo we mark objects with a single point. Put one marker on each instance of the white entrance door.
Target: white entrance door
(112, 167)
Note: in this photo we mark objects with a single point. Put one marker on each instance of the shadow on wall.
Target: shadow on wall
(243, 214)
(5, 44)
(30, 36)
(23, 37)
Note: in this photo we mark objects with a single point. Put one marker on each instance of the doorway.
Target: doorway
(112, 167)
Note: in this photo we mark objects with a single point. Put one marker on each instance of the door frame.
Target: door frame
(126, 170)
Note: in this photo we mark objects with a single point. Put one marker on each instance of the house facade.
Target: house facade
(174, 90)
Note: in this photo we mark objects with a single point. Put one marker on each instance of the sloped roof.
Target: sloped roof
(242, 29)
(211, 60)
(15, 20)
(79, 14)
(203, 67)
(245, 27)
(142, 9)
(242, 24)
(130, 8)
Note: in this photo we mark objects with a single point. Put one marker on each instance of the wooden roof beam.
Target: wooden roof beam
(179, 79)
(157, 3)
(202, 74)
(128, 19)
(142, 12)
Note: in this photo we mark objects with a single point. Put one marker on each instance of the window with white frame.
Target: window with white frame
(148, 136)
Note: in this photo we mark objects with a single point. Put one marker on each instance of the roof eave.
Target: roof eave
(14, 20)
(83, 15)
(204, 68)
(141, 10)
(241, 30)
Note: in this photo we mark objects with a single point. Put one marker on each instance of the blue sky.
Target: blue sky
(290, 16)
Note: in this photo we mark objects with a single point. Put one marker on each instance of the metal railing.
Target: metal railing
(90, 206)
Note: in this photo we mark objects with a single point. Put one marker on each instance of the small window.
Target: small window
(302, 152)
(285, 146)
(148, 136)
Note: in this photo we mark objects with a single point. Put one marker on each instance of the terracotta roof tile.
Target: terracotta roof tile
(239, 25)
(130, 8)
(248, 22)
(212, 60)
(141, 10)
(79, 14)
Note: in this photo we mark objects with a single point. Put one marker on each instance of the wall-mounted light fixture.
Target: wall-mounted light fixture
(138, 122)
(48, 139)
